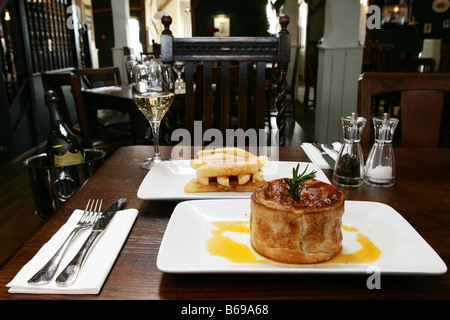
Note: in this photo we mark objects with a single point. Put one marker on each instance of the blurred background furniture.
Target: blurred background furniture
(107, 115)
(444, 64)
(421, 104)
(120, 99)
(413, 65)
(311, 65)
(100, 77)
(293, 87)
(251, 86)
(93, 134)
(370, 56)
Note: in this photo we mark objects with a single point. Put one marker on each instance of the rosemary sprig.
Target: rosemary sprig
(295, 185)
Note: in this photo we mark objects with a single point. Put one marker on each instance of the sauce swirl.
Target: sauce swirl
(221, 245)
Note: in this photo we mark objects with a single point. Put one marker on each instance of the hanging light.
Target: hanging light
(396, 12)
(7, 16)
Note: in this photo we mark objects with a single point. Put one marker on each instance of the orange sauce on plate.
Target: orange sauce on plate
(223, 246)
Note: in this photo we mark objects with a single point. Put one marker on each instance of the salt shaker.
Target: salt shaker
(349, 168)
(380, 165)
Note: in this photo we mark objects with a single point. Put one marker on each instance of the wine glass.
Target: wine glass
(179, 68)
(147, 59)
(153, 93)
(130, 62)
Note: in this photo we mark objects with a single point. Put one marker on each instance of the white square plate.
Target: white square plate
(184, 246)
(166, 180)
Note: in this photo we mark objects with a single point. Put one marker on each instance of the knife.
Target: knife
(70, 273)
(329, 148)
(331, 162)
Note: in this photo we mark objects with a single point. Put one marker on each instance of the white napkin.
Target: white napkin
(96, 266)
(337, 146)
(107, 88)
(315, 155)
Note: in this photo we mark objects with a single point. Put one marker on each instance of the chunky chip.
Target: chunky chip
(226, 169)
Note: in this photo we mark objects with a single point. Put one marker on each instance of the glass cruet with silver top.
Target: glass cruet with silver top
(380, 165)
(349, 168)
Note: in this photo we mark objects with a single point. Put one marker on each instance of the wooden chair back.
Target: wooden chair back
(311, 69)
(385, 57)
(156, 49)
(421, 104)
(219, 92)
(100, 77)
(370, 56)
(293, 88)
(413, 65)
(230, 53)
(106, 115)
(444, 62)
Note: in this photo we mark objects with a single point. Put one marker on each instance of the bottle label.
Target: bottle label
(68, 159)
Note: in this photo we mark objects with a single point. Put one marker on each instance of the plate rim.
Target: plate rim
(204, 195)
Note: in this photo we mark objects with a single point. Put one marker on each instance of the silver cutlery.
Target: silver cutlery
(331, 148)
(87, 220)
(331, 162)
(70, 273)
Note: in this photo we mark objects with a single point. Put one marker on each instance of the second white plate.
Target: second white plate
(200, 239)
(166, 181)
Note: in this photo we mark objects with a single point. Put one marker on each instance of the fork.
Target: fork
(87, 220)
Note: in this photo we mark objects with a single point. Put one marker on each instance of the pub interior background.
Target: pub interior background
(42, 35)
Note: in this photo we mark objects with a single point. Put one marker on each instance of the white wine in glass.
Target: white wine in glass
(154, 105)
(153, 101)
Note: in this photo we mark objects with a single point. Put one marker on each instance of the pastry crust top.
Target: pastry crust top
(315, 197)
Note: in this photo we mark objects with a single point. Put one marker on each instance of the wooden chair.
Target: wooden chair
(226, 52)
(311, 65)
(385, 57)
(100, 77)
(413, 65)
(444, 63)
(370, 56)
(156, 49)
(293, 88)
(421, 104)
(105, 77)
(93, 135)
(219, 94)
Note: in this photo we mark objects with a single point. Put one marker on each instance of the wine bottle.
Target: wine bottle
(64, 148)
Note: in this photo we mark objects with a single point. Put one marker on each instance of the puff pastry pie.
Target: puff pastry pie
(297, 232)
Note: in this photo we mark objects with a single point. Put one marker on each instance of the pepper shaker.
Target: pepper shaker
(380, 165)
(349, 168)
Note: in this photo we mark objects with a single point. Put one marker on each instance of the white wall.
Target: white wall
(340, 61)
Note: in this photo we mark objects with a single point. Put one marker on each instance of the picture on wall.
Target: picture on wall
(446, 24)
(222, 23)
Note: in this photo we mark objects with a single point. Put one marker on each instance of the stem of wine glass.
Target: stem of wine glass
(155, 128)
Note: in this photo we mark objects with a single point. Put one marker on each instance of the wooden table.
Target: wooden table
(421, 195)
